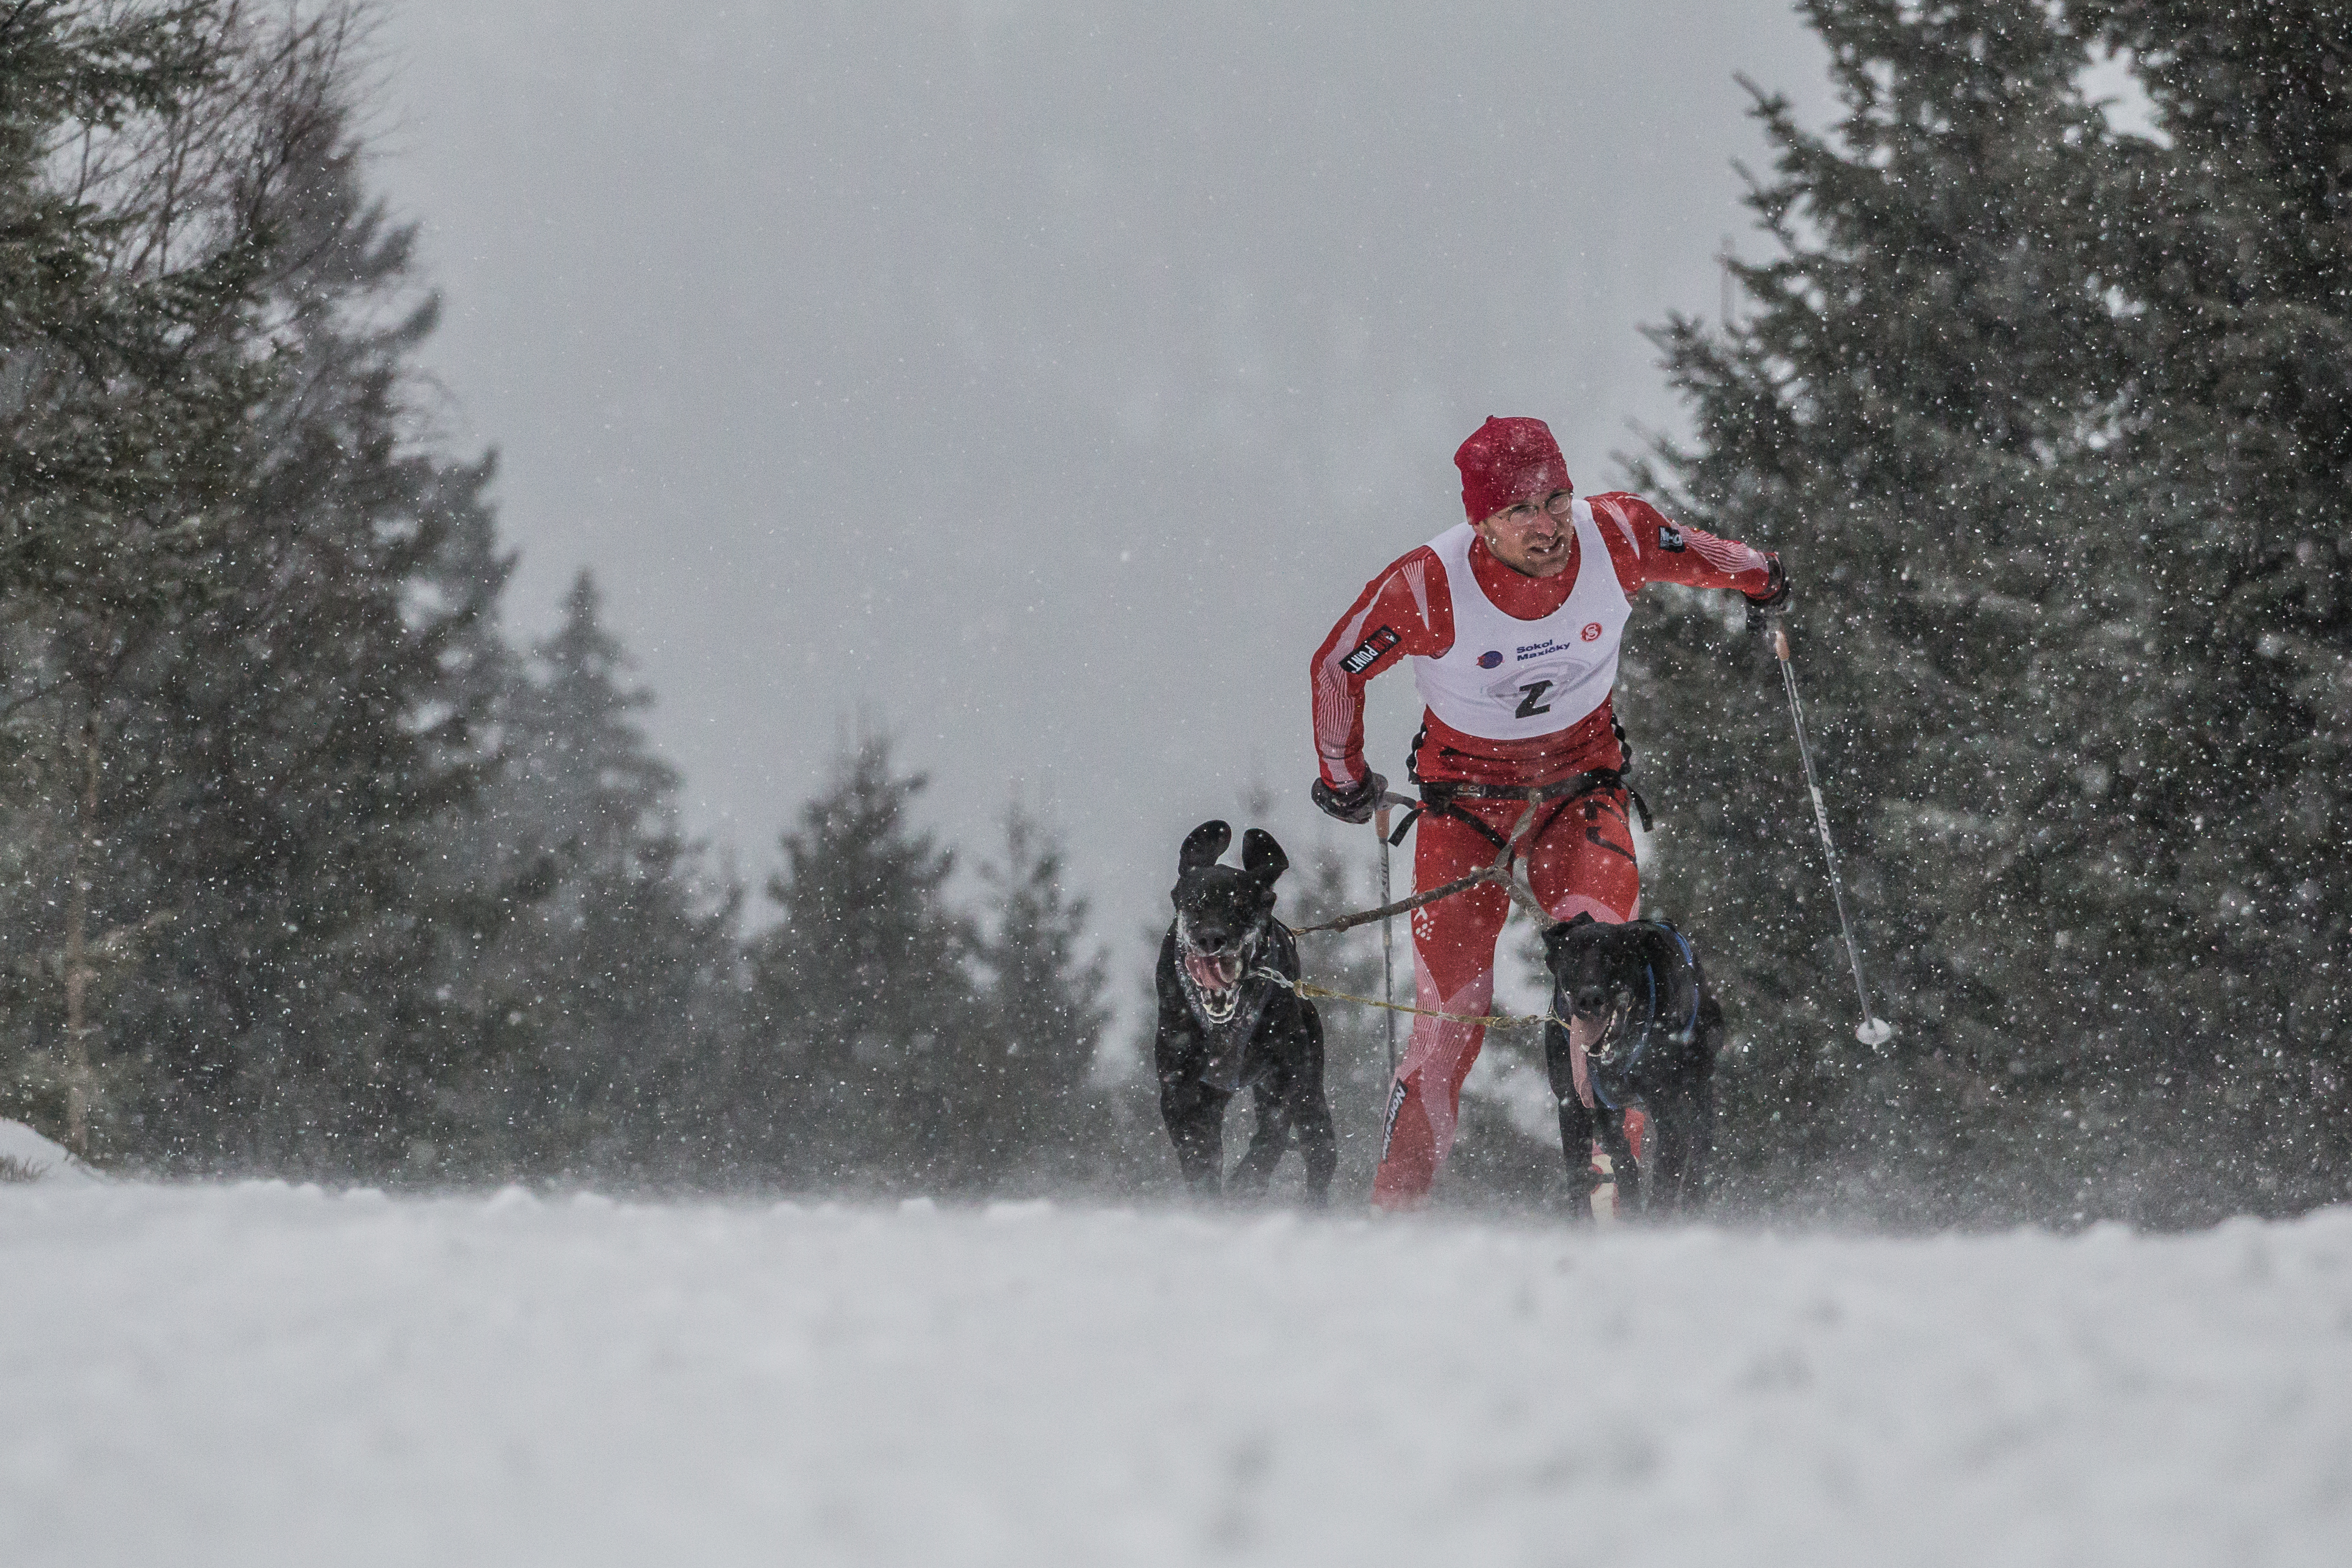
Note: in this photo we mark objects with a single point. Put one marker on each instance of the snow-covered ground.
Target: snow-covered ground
(25, 1155)
(259, 1375)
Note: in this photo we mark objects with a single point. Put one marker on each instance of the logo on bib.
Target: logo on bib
(1591, 631)
(1490, 658)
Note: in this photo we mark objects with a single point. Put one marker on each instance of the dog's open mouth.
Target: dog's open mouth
(1217, 979)
(1609, 1039)
(1611, 1017)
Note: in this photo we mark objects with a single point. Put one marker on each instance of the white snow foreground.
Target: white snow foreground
(262, 1376)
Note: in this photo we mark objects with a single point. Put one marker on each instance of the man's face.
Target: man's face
(1532, 537)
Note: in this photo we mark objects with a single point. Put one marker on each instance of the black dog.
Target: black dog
(1661, 1027)
(1223, 1027)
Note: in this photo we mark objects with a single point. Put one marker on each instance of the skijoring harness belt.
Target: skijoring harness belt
(1440, 797)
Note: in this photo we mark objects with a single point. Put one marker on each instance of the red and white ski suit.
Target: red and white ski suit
(1524, 712)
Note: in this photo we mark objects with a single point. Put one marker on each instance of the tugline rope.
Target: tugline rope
(1313, 992)
(1603, 1049)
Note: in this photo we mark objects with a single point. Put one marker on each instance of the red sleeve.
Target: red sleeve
(1647, 548)
(1405, 610)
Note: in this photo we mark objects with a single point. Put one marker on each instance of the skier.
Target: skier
(1512, 620)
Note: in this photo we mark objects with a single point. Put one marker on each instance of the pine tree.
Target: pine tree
(156, 470)
(1917, 410)
(608, 995)
(138, 156)
(863, 1007)
(279, 743)
(2050, 423)
(2235, 460)
(1037, 1103)
(127, 371)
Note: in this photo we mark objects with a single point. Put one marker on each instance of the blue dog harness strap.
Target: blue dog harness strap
(1690, 960)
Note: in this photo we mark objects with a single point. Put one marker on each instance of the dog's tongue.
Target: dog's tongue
(1213, 974)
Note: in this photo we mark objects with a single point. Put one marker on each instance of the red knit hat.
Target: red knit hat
(1506, 461)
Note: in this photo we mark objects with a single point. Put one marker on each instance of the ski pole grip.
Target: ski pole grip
(1780, 640)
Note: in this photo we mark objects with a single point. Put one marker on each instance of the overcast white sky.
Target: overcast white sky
(1040, 380)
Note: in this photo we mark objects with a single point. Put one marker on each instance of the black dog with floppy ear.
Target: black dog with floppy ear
(1262, 858)
(1224, 1027)
(1202, 848)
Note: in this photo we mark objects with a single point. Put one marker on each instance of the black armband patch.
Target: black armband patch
(1368, 651)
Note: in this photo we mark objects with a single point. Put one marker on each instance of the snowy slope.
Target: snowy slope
(29, 1156)
(260, 1375)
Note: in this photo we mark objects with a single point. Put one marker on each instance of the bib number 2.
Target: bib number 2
(1531, 699)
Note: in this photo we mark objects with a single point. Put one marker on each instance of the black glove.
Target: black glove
(1354, 804)
(1775, 596)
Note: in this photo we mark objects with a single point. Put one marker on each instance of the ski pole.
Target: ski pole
(1872, 1030)
(1388, 937)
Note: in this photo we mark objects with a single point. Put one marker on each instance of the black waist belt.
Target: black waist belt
(1440, 795)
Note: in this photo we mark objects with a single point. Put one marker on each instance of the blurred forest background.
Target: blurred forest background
(310, 868)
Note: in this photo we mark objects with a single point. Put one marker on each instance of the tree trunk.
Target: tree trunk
(78, 972)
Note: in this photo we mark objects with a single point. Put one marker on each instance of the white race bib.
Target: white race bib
(1508, 679)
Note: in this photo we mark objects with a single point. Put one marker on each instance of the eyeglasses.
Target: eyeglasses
(1560, 504)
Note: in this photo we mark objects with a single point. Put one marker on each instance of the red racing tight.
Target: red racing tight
(1581, 860)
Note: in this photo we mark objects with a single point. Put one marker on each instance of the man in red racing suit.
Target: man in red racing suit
(1512, 620)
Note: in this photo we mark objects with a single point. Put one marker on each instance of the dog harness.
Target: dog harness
(1510, 679)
